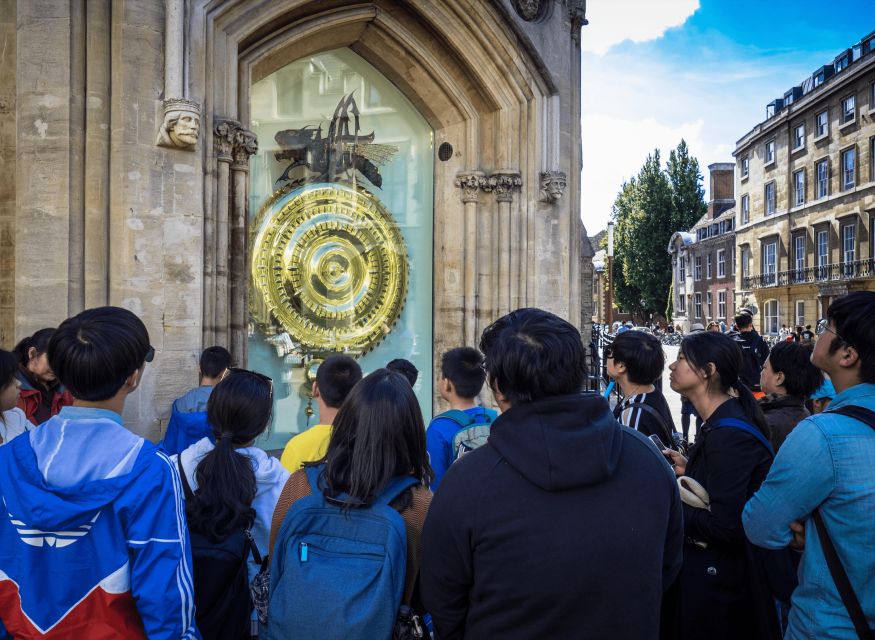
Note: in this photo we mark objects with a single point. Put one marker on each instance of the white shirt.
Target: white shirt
(14, 423)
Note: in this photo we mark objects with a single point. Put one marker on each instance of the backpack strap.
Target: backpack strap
(750, 429)
(856, 412)
(186, 488)
(654, 413)
(837, 570)
(394, 488)
(459, 417)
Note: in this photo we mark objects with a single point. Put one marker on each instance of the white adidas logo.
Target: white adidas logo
(38, 538)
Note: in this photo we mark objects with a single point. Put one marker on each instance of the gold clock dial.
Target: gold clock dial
(330, 266)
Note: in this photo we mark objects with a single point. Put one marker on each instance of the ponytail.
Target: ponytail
(751, 408)
(226, 489)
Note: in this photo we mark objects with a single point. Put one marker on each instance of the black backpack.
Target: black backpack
(223, 605)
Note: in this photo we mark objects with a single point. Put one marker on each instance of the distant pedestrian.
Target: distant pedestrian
(95, 544)
(551, 527)
(42, 395)
(787, 379)
(335, 378)
(820, 493)
(635, 360)
(754, 351)
(188, 413)
(729, 460)
(713, 326)
(13, 422)
(466, 425)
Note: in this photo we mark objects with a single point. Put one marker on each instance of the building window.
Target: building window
(821, 124)
(769, 197)
(709, 305)
(682, 269)
(769, 154)
(799, 187)
(849, 247)
(721, 263)
(745, 167)
(770, 317)
(799, 136)
(849, 109)
(721, 304)
(745, 209)
(770, 263)
(682, 304)
(698, 303)
(800, 313)
(822, 178)
(822, 253)
(708, 269)
(849, 157)
(745, 263)
(697, 268)
(799, 254)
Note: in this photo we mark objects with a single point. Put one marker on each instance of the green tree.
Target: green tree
(647, 211)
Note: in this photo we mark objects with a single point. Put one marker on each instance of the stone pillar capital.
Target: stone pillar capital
(225, 135)
(504, 184)
(470, 184)
(245, 145)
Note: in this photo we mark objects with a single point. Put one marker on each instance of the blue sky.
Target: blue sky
(703, 70)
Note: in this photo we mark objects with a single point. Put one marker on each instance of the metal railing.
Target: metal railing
(825, 273)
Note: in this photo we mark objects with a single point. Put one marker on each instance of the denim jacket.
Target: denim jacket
(827, 461)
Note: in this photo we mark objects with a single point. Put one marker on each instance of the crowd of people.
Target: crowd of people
(556, 515)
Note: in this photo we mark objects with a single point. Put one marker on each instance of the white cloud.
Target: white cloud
(614, 150)
(614, 21)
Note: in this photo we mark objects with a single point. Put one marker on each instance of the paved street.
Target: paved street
(674, 400)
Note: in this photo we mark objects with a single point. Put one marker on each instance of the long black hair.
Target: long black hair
(39, 341)
(723, 352)
(377, 434)
(8, 368)
(238, 410)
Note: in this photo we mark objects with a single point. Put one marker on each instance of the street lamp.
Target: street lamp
(609, 293)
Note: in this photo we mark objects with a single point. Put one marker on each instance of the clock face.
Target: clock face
(330, 267)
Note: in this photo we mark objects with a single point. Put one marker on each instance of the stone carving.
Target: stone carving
(504, 184)
(181, 125)
(577, 16)
(234, 144)
(552, 185)
(530, 10)
(470, 184)
(245, 145)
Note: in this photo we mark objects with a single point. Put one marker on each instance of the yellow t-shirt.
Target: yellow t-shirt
(308, 446)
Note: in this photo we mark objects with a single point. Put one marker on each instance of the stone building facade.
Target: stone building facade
(805, 184)
(136, 142)
(703, 258)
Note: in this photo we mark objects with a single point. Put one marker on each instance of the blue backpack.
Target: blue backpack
(335, 573)
(184, 429)
(473, 429)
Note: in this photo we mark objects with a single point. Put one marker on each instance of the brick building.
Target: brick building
(806, 194)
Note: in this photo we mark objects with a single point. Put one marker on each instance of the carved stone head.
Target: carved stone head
(552, 185)
(181, 126)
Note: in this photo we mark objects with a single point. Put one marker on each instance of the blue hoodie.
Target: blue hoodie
(93, 542)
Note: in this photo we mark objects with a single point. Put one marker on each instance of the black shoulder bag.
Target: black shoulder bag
(836, 569)
(666, 432)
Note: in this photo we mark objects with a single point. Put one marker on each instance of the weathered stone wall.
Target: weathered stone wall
(7, 172)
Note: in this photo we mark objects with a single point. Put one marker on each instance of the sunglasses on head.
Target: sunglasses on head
(259, 376)
(150, 354)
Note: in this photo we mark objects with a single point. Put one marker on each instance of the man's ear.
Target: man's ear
(133, 380)
(850, 358)
(779, 378)
(315, 390)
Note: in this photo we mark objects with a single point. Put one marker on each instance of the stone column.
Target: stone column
(225, 134)
(470, 183)
(506, 183)
(245, 144)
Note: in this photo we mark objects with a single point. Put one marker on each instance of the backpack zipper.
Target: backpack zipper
(304, 551)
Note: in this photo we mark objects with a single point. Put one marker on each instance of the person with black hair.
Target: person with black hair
(42, 395)
(550, 528)
(820, 492)
(97, 540)
(188, 413)
(405, 368)
(462, 378)
(377, 443)
(730, 459)
(754, 351)
(635, 360)
(787, 379)
(235, 485)
(335, 378)
(13, 422)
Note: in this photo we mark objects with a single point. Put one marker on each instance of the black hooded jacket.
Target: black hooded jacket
(564, 525)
